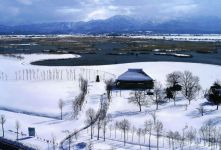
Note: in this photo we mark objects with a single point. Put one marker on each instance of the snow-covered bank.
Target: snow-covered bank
(28, 58)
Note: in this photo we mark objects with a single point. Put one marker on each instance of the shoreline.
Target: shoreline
(82, 61)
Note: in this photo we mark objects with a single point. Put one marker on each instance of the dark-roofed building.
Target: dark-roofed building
(134, 79)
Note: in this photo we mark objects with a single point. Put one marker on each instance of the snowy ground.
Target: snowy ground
(183, 37)
(176, 37)
(30, 95)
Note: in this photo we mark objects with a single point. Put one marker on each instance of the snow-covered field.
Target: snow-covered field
(183, 37)
(176, 37)
(30, 94)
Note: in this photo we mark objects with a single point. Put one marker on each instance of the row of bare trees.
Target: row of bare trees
(17, 131)
(3, 76)
(3, 121)
(154, 133)
(57, 74)
(183, 82)
(100, 119)
(93, 118)
(79, 100)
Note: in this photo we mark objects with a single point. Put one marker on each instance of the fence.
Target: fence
(55, 74)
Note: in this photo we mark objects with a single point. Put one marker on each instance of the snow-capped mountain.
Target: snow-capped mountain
(118, 25)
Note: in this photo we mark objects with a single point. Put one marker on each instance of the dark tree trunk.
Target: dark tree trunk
(174, 101)
(91, 132)
(98, 131)
(69, 145)
(124, 138)
(104, 133)
(61, 114)
(140, 108)
(157, 143)
(149, 140)
(17, 136)
(3, 131)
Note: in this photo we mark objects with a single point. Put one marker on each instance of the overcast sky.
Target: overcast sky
(37, 11)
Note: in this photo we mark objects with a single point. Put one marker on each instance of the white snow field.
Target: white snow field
(183, 37)
(30, 94)
(176, 37)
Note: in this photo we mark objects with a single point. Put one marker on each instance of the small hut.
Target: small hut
(134, 79)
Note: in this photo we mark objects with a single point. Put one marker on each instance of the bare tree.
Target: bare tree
(53, 138)
(158, 129)
(154, 116)
(209, 128)
(124, 125)
(105, 121)
(102, 117)
(173, 78)
(2, 121)
(83, 85)
(173, 82)
(173, 137)
(17, 126)
(79, 100)
(61, 105)
(148, 125)
(201, 110)
(203, 134)
(190, 85)
(138, 98)
(109, 87)
(75, 107)
(91, 115)
(110, 129)
(157, 94)
(77, 104)
(144, 132)
(133, 130)
(191, 135)
(98, 127)
(178, 138)
(116, 125)
(183, 136)
(139, 132)
(171, 134)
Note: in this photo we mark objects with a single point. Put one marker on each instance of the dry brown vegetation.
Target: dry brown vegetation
(89, 44)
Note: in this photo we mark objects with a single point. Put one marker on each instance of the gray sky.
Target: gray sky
(37, 11)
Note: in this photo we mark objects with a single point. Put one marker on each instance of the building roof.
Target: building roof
(134, 75)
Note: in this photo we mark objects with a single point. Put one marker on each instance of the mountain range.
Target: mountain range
(119, 25)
